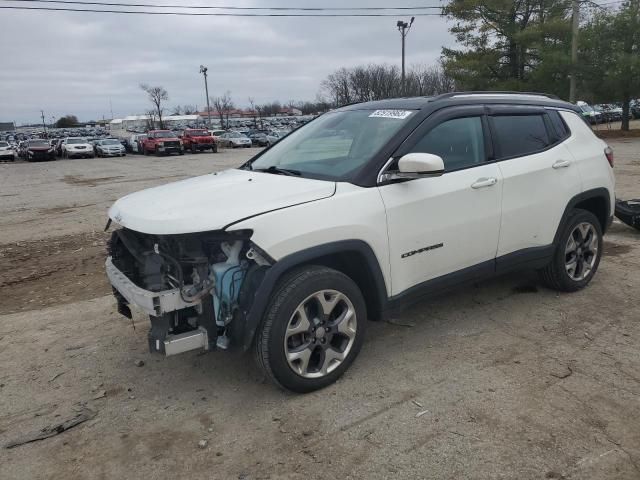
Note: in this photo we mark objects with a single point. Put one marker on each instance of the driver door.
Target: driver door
(448, 226)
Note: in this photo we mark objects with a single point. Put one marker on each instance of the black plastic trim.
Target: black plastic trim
(263, 293)
(600, 192)
(431, 287)
(534, 257)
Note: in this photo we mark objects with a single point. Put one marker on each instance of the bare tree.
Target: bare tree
(222, 105)
(156, 95)
(177, 110)
(376, 82)
(151, 120)
(189, 109)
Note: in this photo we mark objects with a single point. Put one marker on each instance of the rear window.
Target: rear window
(519, 135)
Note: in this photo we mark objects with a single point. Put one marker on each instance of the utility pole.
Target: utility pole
(403, 28)
(43, 124)
(203, 71)
(575, 24)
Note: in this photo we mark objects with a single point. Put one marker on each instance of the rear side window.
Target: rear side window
(519, 135)
(560, 128)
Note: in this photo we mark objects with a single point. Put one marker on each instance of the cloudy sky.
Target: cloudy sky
(76, 63)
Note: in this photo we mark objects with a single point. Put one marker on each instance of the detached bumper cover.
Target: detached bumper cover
(152, 303)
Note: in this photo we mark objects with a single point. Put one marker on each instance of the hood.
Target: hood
(212, 202)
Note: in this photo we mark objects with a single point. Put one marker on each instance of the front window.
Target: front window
(459, 142)
(3, 144)
(39, 143)
(75, 141)
(110, 142)
(198, 133)
(335, 145)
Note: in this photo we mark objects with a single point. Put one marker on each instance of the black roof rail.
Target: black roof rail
(494, 92)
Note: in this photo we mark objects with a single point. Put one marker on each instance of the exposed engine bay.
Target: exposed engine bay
(195, 287)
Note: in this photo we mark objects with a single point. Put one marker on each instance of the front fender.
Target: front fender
(252, 318)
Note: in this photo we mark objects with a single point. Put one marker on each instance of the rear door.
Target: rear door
(539, 176)
(445, 224)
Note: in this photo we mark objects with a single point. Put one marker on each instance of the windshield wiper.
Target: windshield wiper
(278, 171)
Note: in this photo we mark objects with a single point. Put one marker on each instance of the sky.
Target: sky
(88, 64)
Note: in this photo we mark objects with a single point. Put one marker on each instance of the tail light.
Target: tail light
(608, 152)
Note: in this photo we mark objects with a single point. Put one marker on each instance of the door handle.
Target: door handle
(561, 164)
(484, 182)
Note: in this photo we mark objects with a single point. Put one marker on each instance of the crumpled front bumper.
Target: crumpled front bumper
(152, 303)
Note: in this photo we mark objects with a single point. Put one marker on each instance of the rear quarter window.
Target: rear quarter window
(560, 128)
(520, 135)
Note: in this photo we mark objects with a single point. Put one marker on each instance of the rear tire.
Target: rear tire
(577, 254)
(312, 330)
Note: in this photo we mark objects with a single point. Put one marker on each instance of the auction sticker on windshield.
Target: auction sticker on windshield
(399, 114)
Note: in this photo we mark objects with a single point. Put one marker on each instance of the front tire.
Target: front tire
(577, 255)
(312, 329)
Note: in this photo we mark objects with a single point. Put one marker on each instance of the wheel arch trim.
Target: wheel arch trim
(599, 193)
(253, 317)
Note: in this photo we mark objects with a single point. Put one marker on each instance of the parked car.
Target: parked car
(198, 140)
(6, 151)
(356, 214)
(161, 142)
(110, 147)
(634, 109)
(234, 140)
(262, 139)
(135, 142)
(38, 150)
(589, 113)
(77, 147)
(610, 113)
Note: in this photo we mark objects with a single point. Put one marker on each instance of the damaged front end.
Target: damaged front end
(196, 288)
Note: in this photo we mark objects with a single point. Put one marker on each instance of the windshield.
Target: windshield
(162, 135)
(110, 142)
(586, 108)
(39, 143)
(72, 141)
(336, 144)
(198, 133)
(4, 144)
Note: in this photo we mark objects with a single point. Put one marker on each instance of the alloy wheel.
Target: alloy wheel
(320, 333)
(581, 251)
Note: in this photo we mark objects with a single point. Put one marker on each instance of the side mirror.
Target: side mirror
(416, 165)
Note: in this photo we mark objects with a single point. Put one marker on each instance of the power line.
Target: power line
(216, 14)
(220, 7)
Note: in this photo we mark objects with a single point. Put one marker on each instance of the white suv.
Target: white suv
(73, 147)
(359, 212)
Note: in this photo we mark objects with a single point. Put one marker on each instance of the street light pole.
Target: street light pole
(575, 25)
(403, 28)
(203, 70)
(43, 124)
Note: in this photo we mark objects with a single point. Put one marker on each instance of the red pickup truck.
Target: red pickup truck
(198, 140)
(162, 142)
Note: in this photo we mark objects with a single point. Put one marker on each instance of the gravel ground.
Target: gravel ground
(504, 379)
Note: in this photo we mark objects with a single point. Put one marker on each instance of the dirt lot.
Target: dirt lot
(504, 379)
